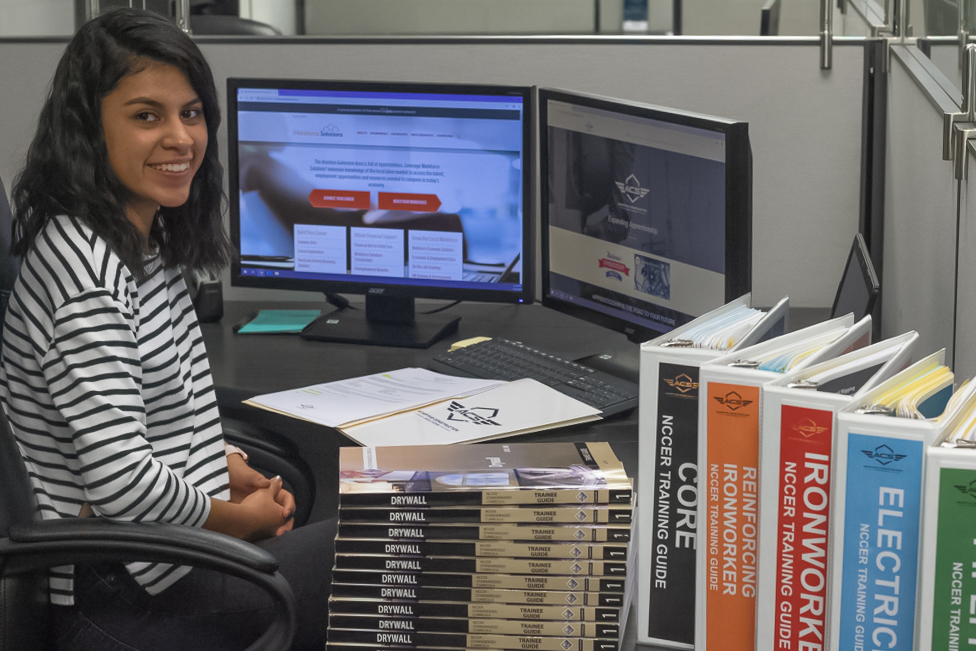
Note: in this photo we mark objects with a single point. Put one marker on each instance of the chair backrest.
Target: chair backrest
(9, 265)
(17, 497)
(215, 24)
(17, 503)
(23, 596)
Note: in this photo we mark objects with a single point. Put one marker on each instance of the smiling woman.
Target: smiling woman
(105, 378)
(156, 137)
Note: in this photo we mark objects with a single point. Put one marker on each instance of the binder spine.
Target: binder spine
(730, 507)
(947, 578)
(880, 541)
(673, 521)
(802, 528)
(952, 618)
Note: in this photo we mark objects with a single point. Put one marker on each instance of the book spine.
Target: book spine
(806, 437)
(477, 626)
(480, 565)
(732, 516)
(501, 497)
(880, 542)
(472, 641)
(503, 581)
(554, 515)
(673, 526)
(486, 549)
(474, 610)
(528, 597)
(953, 611)
(485, 532)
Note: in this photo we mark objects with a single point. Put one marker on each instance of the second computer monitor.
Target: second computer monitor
(647, 212)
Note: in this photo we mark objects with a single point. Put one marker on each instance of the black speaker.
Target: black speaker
(207, 296)
(209, 301)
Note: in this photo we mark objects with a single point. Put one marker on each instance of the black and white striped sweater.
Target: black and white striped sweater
(108, 391)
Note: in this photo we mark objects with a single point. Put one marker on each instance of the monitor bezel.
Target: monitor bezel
(526, 93)
(738, 198)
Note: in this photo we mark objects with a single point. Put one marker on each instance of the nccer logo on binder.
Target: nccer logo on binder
(732, 400)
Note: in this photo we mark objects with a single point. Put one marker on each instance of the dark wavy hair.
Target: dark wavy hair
(68, 172)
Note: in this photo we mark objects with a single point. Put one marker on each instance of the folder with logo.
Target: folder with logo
(729, 487)
(880, 462)
(799, 424)
(668, 426)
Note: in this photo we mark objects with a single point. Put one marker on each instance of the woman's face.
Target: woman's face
(156, 137)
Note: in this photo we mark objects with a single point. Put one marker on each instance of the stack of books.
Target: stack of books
(502, 546)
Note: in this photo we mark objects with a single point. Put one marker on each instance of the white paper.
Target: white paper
(372, 396)
(516, 407)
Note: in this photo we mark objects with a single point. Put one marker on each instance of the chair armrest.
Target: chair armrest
(50, 543)
(274, 454)
(174, 535)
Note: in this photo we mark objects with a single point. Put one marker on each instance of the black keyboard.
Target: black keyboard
(503, 359)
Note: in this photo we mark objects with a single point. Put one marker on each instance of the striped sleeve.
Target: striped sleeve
(93, 372)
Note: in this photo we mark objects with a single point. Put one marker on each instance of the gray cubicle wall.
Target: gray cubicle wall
(944, 53)
(918, 290)
(805, 123)
(860, 18)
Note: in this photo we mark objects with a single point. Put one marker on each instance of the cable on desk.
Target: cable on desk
(441, 309)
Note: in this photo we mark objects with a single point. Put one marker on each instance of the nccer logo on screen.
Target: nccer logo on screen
(631, 188)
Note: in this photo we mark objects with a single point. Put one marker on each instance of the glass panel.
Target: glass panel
(417, 17)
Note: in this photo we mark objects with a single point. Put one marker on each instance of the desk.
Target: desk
(248, 365)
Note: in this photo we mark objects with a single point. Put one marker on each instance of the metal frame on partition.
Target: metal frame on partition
(874, 130)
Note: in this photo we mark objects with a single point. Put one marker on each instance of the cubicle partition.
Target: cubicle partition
(805, 123)
(944, 53)
(920, 205)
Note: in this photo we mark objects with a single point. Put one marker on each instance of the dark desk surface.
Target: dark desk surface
(249, 365)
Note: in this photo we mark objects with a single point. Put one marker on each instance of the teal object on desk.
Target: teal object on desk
(278, 321)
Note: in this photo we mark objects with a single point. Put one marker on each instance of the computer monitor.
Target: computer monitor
(646, 212)
(395, 191)
(858, 289)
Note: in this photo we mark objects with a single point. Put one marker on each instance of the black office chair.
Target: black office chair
(222, 18)
(30, 546)
(218, 25)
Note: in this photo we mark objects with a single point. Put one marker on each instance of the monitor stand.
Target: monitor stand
(386, 321)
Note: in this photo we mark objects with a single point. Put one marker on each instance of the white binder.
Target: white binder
(729, 417)
(667, 503)
(874, 523)
(799, 424)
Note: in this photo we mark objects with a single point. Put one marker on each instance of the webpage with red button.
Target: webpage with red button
(406, 188)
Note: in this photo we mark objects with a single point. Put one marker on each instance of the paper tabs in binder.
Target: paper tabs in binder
(667, 503)
(879, 472)
(799, 423)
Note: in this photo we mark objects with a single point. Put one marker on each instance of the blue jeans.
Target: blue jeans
(204, 610)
